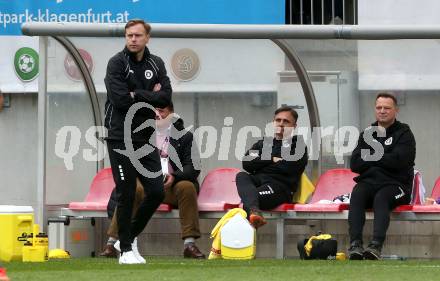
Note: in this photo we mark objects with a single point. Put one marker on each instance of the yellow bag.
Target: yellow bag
(305, 190)
(234, 237)
(59, 254)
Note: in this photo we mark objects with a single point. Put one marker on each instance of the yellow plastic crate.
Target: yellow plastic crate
(14, 221)
(34, 254)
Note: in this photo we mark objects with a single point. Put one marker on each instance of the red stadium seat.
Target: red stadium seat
(331, 184)
(99, 194)
(436, 189)
(218, 191)
(435, 194)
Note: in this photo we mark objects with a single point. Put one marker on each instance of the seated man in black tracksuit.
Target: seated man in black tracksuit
(384, 182)
(274, 166)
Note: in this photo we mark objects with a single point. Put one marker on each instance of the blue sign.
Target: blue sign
(14, 13)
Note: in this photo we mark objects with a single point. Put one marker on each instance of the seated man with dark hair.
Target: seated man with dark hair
(273, 168)
(181, 185)
(385, 181)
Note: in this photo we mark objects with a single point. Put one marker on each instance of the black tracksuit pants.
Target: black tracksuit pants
(259, 196)
(383, 199)
(125, 174)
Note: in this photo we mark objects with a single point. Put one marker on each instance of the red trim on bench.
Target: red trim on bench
(337, 207)
(283, 208)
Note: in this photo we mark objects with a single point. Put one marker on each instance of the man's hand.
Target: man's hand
(168, 182)
(132, 95)
(276, 159)
(157, 87)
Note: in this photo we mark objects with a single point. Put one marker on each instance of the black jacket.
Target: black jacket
(125, 75)
(396, 166)
(182, 142)
(285, 173)
(187, 152)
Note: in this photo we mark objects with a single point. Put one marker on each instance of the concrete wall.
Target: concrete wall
(212, 110)
(399, 64)
(18, 154)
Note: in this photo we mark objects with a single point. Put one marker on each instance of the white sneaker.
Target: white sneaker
(128, 258)
(134, 248)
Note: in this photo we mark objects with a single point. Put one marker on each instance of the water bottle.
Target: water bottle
(393, 257)
(43, 241)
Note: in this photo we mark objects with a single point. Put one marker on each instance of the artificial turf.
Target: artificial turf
(255, 270)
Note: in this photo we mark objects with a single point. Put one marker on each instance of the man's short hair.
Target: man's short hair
(289, 109)
(387, 95)
(170, 106)
(132, 22)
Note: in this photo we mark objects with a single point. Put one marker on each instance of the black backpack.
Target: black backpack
(321, 246)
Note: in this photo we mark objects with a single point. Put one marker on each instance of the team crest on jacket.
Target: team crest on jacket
(389, 141)
(148, 74)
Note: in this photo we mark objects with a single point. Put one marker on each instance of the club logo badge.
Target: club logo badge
(26, 64)
(72, 70)
(185, 64)
(148, 74)
(389, 141)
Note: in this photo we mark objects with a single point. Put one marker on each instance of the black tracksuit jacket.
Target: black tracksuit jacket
(396, 167)
(284, 173)
(125, 75)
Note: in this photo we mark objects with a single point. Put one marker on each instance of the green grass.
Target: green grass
(194, 270)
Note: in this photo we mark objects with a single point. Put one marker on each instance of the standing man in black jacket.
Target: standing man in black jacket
(273, 168)
(181, 168)
(136, 82)
(384, 158)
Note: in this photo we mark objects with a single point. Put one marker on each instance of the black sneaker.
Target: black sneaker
(373, 251)
(356, 251)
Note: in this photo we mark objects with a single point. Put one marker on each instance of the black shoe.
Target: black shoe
(356, 251)
(373, 251)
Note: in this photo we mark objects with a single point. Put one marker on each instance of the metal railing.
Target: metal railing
(321, 12)
(230, 31)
